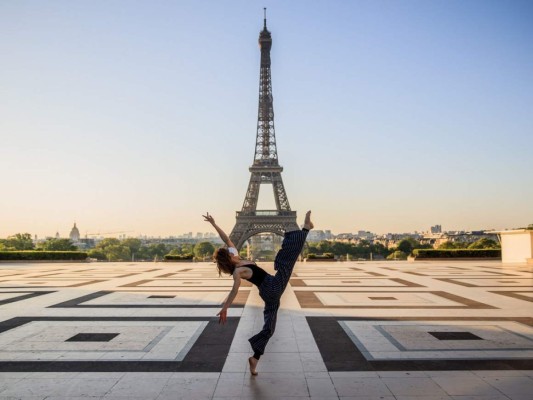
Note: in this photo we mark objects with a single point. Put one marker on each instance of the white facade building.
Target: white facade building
(517, 246)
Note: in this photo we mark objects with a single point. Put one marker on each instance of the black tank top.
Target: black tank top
(258, 274)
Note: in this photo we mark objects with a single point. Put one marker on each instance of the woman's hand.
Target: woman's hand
(209, 218)
(222, 316)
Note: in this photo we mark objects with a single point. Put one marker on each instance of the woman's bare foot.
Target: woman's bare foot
(307, 223)
(253, 364)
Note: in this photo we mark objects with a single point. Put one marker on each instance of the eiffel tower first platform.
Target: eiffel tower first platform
(265, 168)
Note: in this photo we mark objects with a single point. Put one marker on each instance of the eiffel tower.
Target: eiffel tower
(265, 168)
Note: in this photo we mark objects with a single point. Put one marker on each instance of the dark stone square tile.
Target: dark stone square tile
(455, 336)
(92, 337)
(340, 353)
(383, 298)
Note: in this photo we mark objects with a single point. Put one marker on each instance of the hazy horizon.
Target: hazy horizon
(391, 116)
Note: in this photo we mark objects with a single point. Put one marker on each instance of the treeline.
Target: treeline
(23, 241)
(340, 249)
(406, 247)
(40, 255)
(484, 243)
(403, 249)
(112, 249)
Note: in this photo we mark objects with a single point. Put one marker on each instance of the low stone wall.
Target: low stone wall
(413, 259)
(42, 261)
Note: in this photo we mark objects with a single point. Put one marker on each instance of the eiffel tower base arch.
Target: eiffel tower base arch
(249, 224)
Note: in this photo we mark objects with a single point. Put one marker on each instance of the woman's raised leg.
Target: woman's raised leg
(292, 246)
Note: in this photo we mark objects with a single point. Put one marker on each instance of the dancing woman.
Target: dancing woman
(270, 287)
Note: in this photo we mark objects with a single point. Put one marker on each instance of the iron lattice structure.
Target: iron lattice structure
(265, 168)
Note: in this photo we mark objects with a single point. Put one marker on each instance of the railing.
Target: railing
(265, 213)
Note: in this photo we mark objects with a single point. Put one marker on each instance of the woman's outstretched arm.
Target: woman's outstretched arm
(221, 233)
(231, 296)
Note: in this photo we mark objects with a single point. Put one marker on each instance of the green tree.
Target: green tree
(112, 249)
(484, 243)
(452, 245)
(157, 250)
(117, 252)
(98, 254)
(364, 243)
(187, 248)
(182, 249)
(446, 246)
(204, 249)
(360, 250)
(54, 244)
(102, 244)
(143, 253)
(324, 246)
(379, 249)
(175, 251)
(134, 246)
(407, 245)
(19, 241)
(312, 248)
(340, 248)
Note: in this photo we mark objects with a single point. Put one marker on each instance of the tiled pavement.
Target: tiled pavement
(350, 330)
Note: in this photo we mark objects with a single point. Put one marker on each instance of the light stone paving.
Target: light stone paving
(345, 330)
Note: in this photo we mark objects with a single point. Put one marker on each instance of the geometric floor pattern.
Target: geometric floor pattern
(350, 330)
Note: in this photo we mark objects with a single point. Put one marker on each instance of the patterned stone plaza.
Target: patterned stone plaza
(349, 330)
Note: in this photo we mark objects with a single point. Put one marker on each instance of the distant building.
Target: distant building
(391, 240)
(436, 229)
(86, 243)
(345, 238)
(264, 246)
(468, 237)
(316, 236)
(74, 234)
(366, 235)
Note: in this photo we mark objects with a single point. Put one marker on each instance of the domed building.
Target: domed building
(74, 234)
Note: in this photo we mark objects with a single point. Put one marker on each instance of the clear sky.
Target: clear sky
(139, 116)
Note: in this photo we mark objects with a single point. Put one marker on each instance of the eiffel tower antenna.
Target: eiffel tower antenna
(265, 168)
